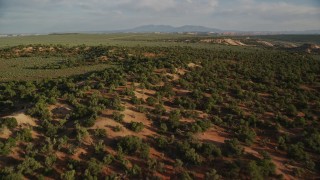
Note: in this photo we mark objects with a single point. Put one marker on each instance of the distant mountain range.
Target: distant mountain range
(203, 29)
(187, 29)
(171, 29)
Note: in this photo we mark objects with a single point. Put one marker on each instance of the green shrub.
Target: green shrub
(312, 140)
(132, 144)
(292, 110)
(192, 156)
(212, 175)
(88, 122)
(162, 142)
(94, 168)
(134, 171)
(233, 148)
(135, 100)
(136, 126)
(246, 135)
(117, 128)
(100, 133)
(25, 135)
(209, 149)
(9, 173)
(296, 152)
(151, 101)
(267, 167)
(159, 110)
(6, 145)
(39, 110)
(10, 123)
(28, 166)
(184, 176)
(254, 170)
(68, 175)
(188, 153)
(117, 116)
(200, 126)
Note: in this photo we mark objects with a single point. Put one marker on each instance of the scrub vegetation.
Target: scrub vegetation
(158, 107)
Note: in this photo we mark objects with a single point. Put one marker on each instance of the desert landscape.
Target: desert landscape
(210, 108)
(159, 90)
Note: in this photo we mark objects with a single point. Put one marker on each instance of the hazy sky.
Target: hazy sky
(42, 16)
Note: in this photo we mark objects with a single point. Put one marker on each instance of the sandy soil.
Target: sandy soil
(169, 169)
(193, 65)
(174, 76)
(109, 125)
(103, 58)
(79, 152)
(224, 41)
(150, 55)
(181, 71)
(133, 116)
(142, 93)
(5, 133)
(60, 110)
(105, 122)
(28, 49)
(265, 43)
(60, 155)
(214, 134)
(217, 135)
(23, 119)
(289, 45)
(234, 42)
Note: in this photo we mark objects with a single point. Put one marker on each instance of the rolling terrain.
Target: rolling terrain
(159, 106)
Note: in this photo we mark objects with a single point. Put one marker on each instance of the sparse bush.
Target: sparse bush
(233, 148)
(100, 133)
(209, 149)
(245, 134)
(296, 151)
(117, 128)
(132, 145)
(6, 145)
(25, 135)
(151, 101)
(68, 175)
(28, 166)
(117, 116)
(94, 168)
(11, 123)
(212, 175)
(136, 126)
